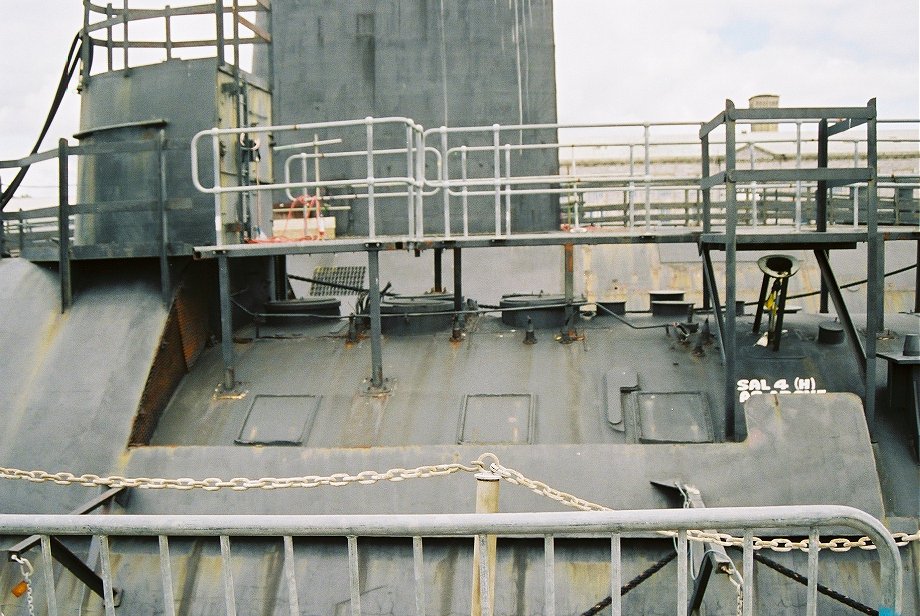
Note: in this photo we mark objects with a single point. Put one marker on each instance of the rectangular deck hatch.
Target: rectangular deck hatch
(492, 419)
(673, 417)
(279, 420)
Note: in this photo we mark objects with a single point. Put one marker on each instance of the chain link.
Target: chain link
(25, 567)
(237, 483)
(486, 462)
(780, 544)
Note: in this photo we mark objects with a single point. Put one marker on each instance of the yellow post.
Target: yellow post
(486, 502)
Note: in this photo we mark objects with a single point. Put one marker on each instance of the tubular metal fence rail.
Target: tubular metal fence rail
(483, 527)
(613, 183)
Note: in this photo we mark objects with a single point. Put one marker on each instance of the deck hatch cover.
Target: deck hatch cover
(348, 275)
(493, 419)
(279, 420)
(673, 417)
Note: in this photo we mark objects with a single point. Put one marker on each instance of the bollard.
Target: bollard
(484, 569)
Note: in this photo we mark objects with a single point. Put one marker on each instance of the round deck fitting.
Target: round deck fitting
(545, 311)
(416, 314)
(830, 332)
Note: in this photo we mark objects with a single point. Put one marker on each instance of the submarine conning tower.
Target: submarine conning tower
(304, 64)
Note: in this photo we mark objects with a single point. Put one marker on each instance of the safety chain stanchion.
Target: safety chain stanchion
(25, 567)
(486, 462)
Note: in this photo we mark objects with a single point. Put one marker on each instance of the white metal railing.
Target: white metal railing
(458, 164)
(593, 524)
(412, 180)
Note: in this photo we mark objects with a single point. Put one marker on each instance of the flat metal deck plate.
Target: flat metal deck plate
(278, 420)
(673, 417)
(496, 419)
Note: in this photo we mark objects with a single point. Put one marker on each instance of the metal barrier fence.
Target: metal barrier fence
(117, 26)
(594, 524)
(601, 181)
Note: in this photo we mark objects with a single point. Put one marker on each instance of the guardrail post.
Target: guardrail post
(496, 163)
(445, 176)
(64, 228)
(483, 604)
(821, 200)
(226, 322)
(371, 213)
(165, 283)
(373, 273)
(731, 224)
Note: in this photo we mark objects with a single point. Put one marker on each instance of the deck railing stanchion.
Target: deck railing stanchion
(483, 600)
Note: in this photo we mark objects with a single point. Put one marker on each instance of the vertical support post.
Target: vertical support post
(631, 221)
(707, 213)
(508, 191)
(85, 47)
(227, 570)
(569, 279)
(218, 214)
(165, 283)
(616, 576)
(410, 187)
(169, 602)
(549, 576)
(108, 36)
(798, 183)
(811, 606)
(855, 188)
(487, 485)
(682, 573)
(875, 267)
(124, 22)
(373, 269)
(108, 593)
(226, 321)
(821, 200)
(648, 167)
(466, 205)
(496, 164)
(48, 569)
(293, 602)
(917, 281)
(731, 223)
(64, 227)
(420, 175)
(236, 37)
(747, 573)
(445, 177)
(438, 253)
(371, 213)
(458, 282)
(418, 562)
(219, 23)
(354, 578)
(167, 16)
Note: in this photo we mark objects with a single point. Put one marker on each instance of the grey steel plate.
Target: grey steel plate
(278, 420)
(496, 419)
(673, 417)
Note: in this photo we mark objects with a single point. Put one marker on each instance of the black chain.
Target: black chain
(824, 590)
(632, 584)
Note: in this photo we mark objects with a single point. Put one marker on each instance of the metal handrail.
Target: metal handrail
(122, 17)
(497, 179)
(549, 525)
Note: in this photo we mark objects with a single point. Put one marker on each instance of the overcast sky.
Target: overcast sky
(615, 60)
